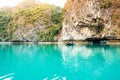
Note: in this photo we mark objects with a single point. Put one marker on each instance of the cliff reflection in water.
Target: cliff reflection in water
(78, 62)
(90, 59)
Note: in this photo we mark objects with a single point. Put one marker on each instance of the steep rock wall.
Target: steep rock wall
(84, 19)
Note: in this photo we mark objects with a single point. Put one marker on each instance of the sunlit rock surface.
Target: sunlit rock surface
(85, 19)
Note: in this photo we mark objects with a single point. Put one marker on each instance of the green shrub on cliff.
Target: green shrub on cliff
(51, 34)
(26, 16)
(106, 4)
(56, 14)
(4, 21)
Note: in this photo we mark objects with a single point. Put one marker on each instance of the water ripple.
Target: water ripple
(7, 77)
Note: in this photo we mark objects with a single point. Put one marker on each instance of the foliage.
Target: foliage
(4, 21)
(50, 34)
(106, 4)
(56, 14)
(26, 15)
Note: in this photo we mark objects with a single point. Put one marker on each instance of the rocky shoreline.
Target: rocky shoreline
(77, 42)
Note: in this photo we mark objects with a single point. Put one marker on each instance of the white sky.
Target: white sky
(15, 2)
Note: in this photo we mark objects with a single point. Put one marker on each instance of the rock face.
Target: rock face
(84, 19)
(30, 20)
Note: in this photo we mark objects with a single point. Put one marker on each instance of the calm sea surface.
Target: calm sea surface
(59, 62)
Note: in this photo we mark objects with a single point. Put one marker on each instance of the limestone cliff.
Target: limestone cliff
(30, 20)
(84, 19)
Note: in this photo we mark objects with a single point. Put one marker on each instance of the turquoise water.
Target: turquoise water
(59, 62)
